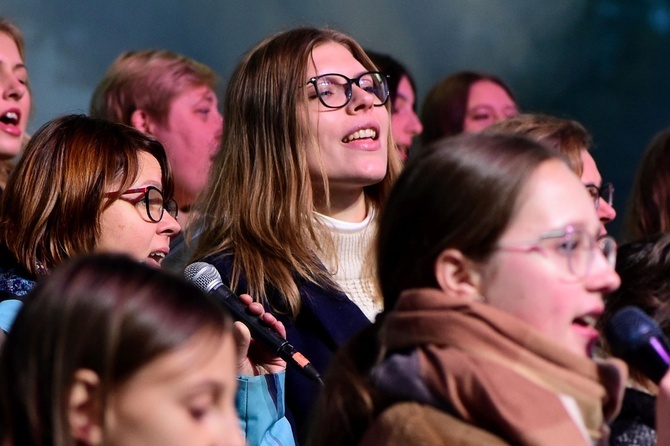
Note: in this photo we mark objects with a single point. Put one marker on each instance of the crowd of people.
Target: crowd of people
(448, 273)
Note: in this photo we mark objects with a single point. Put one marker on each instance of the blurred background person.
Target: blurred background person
(405, 123)
(644, 268)
(172, 98)
(15, 97)
(569, 138)
(648, 210)
(465, 101)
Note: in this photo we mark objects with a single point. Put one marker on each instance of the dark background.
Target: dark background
(602, 62)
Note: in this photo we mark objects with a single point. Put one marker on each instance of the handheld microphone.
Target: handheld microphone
(639, 341)
(208, 279)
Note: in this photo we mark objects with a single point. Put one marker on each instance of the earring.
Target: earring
(480, 298)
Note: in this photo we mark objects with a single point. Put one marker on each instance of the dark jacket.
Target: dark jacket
(636, 423)
(15, 283)
(327, 320)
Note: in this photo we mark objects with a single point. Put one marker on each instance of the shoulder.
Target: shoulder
(13, 283)
(419, 424)
(14, 280)
(636, 421)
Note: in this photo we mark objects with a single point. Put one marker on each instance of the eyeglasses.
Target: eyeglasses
(571, 245)
(334, 90)
(606, 192)
(153, 202)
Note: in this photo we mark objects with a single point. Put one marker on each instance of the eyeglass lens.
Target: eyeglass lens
(605, 192)
(580, 249)
(156, 205)
(334, 90)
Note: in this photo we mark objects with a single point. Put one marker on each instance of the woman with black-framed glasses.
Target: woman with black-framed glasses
(82, 185)
(306, 162)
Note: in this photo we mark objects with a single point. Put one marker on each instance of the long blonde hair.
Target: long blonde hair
(258, 204)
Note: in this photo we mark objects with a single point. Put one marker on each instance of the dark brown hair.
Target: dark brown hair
(648, 210)
(644, 268)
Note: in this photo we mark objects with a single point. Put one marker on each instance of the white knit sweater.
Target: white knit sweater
(352, 243)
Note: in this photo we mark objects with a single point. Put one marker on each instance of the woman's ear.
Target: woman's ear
(141, 120)
(457, 275)
(84, 413)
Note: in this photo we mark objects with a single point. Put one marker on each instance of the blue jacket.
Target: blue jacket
(327, 320)
(260, 405)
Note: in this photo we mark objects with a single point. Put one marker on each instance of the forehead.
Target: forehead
(8, 49)
(149, 169)
(552, 199)
(590, 174)
(333, 57)
(200, 358)
(485, 91)
(192, 94)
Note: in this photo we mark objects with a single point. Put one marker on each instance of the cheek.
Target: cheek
(25, 105)
(527, 298)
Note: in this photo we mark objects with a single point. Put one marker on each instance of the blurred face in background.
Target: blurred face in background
(191, 135)
(15, 98)
(405, 124)
(488, 102)
(591, 177)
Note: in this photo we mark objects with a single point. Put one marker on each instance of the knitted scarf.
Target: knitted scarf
(500, 374)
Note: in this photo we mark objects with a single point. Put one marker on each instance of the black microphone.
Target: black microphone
(208, 279)
(637, 339)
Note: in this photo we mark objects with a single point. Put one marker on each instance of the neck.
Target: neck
(346, 207)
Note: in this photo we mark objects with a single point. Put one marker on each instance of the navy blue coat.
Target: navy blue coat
(327, 320)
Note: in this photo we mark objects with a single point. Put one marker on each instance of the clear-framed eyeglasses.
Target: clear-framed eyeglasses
(573, 247)
(152, 202)
(604, 192)
(334, 90)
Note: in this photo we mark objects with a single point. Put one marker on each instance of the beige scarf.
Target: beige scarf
(500, 374)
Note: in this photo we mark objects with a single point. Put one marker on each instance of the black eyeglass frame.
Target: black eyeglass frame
(169, 204)
(348, 90)
(605, 192)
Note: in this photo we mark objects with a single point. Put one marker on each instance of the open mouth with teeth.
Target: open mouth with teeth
(10, 118)
(586, 321)
(361, 134)
(157, 256)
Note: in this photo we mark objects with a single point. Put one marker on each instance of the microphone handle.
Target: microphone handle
(263, 333)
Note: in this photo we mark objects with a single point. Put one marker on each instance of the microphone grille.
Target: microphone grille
(203, 275)
(629, 329)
